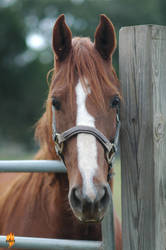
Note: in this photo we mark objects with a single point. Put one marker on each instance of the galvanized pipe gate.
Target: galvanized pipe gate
(107, 243)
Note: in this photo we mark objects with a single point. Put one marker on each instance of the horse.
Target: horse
(79, 122)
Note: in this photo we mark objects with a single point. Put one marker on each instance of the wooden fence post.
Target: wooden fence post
(143, 136)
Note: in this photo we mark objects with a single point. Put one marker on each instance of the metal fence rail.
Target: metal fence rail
(49, 244)
(32, 166)
(108, 242)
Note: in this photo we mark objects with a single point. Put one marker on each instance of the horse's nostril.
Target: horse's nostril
(75, 197)
(105, 198)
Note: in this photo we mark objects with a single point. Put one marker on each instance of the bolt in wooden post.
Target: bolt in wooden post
(142, 51)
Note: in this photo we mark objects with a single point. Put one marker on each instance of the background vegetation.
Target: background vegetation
(26, 57)
(24, 61)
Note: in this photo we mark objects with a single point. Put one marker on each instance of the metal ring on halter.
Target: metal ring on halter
(58, 146)
(110, 154)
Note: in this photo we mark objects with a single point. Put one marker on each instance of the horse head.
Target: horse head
(83, 100)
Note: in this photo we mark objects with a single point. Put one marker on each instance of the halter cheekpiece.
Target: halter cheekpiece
(110, 147)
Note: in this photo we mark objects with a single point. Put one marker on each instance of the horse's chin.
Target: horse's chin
(91, 220)
(84, 219)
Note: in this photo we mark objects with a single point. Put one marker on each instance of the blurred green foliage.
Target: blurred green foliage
(23, 87)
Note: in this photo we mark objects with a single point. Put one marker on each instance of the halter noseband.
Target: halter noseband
(109, 147)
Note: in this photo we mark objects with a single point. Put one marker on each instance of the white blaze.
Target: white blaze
(86, 144)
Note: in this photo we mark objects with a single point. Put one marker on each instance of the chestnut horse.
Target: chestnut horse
(83, 95)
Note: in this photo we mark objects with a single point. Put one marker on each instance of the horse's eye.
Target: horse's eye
(56, 103)
(115, 102)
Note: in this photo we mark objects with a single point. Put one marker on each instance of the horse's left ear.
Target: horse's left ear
(62, 38)
(105, 37)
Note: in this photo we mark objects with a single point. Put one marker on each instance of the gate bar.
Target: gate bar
(107, 225)
(49, 244)
(32, 166)
(44, 243)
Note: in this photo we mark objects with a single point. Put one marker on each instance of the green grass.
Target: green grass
(9, 151)
(24, 156)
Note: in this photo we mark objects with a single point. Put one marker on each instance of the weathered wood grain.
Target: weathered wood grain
(142, 51)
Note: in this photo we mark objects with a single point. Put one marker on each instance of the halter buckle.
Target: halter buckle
(58, 145)
(110, 154)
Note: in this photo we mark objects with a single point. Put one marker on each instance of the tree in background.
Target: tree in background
(26, 56)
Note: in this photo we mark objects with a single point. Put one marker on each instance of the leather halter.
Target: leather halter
(109, 147)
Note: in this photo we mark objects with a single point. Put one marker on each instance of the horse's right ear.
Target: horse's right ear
(62, 38)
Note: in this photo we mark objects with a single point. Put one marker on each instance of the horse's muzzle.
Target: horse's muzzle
(87, 209)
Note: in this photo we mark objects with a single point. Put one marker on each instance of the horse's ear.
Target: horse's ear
(105, 37)
(62, 38)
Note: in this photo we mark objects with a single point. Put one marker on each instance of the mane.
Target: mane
(83, 63)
